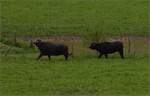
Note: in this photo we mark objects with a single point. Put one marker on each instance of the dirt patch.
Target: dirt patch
(79, 39)
(138, 44)
(51, 38)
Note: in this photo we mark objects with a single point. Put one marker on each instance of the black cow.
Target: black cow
(50, 49)
(106, 48)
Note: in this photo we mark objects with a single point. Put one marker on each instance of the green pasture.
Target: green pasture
(82, 75)
(74, 17)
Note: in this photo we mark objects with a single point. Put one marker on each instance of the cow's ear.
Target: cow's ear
(38, 40)
(94, 43)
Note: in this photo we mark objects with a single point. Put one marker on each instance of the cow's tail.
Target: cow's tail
(71, 53)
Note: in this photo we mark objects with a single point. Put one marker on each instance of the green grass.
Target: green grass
(77, 17)
(83, 75)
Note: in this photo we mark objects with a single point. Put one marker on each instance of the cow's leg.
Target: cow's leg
(39, 56)
(66, 54)
(121, 53)
(49, 57)
(106, 56)
(66, 57)
(100, 55)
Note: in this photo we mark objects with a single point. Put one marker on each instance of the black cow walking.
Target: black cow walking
(50, 49)
(106, 48)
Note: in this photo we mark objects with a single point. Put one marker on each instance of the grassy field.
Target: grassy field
(79, 17)
(84, 75)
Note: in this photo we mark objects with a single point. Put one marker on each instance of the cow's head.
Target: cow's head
(93, 45)
(37, 42)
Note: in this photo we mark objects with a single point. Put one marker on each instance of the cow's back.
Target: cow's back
(118, 44)
(47, 48)
(57, 49)
(110, 47)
